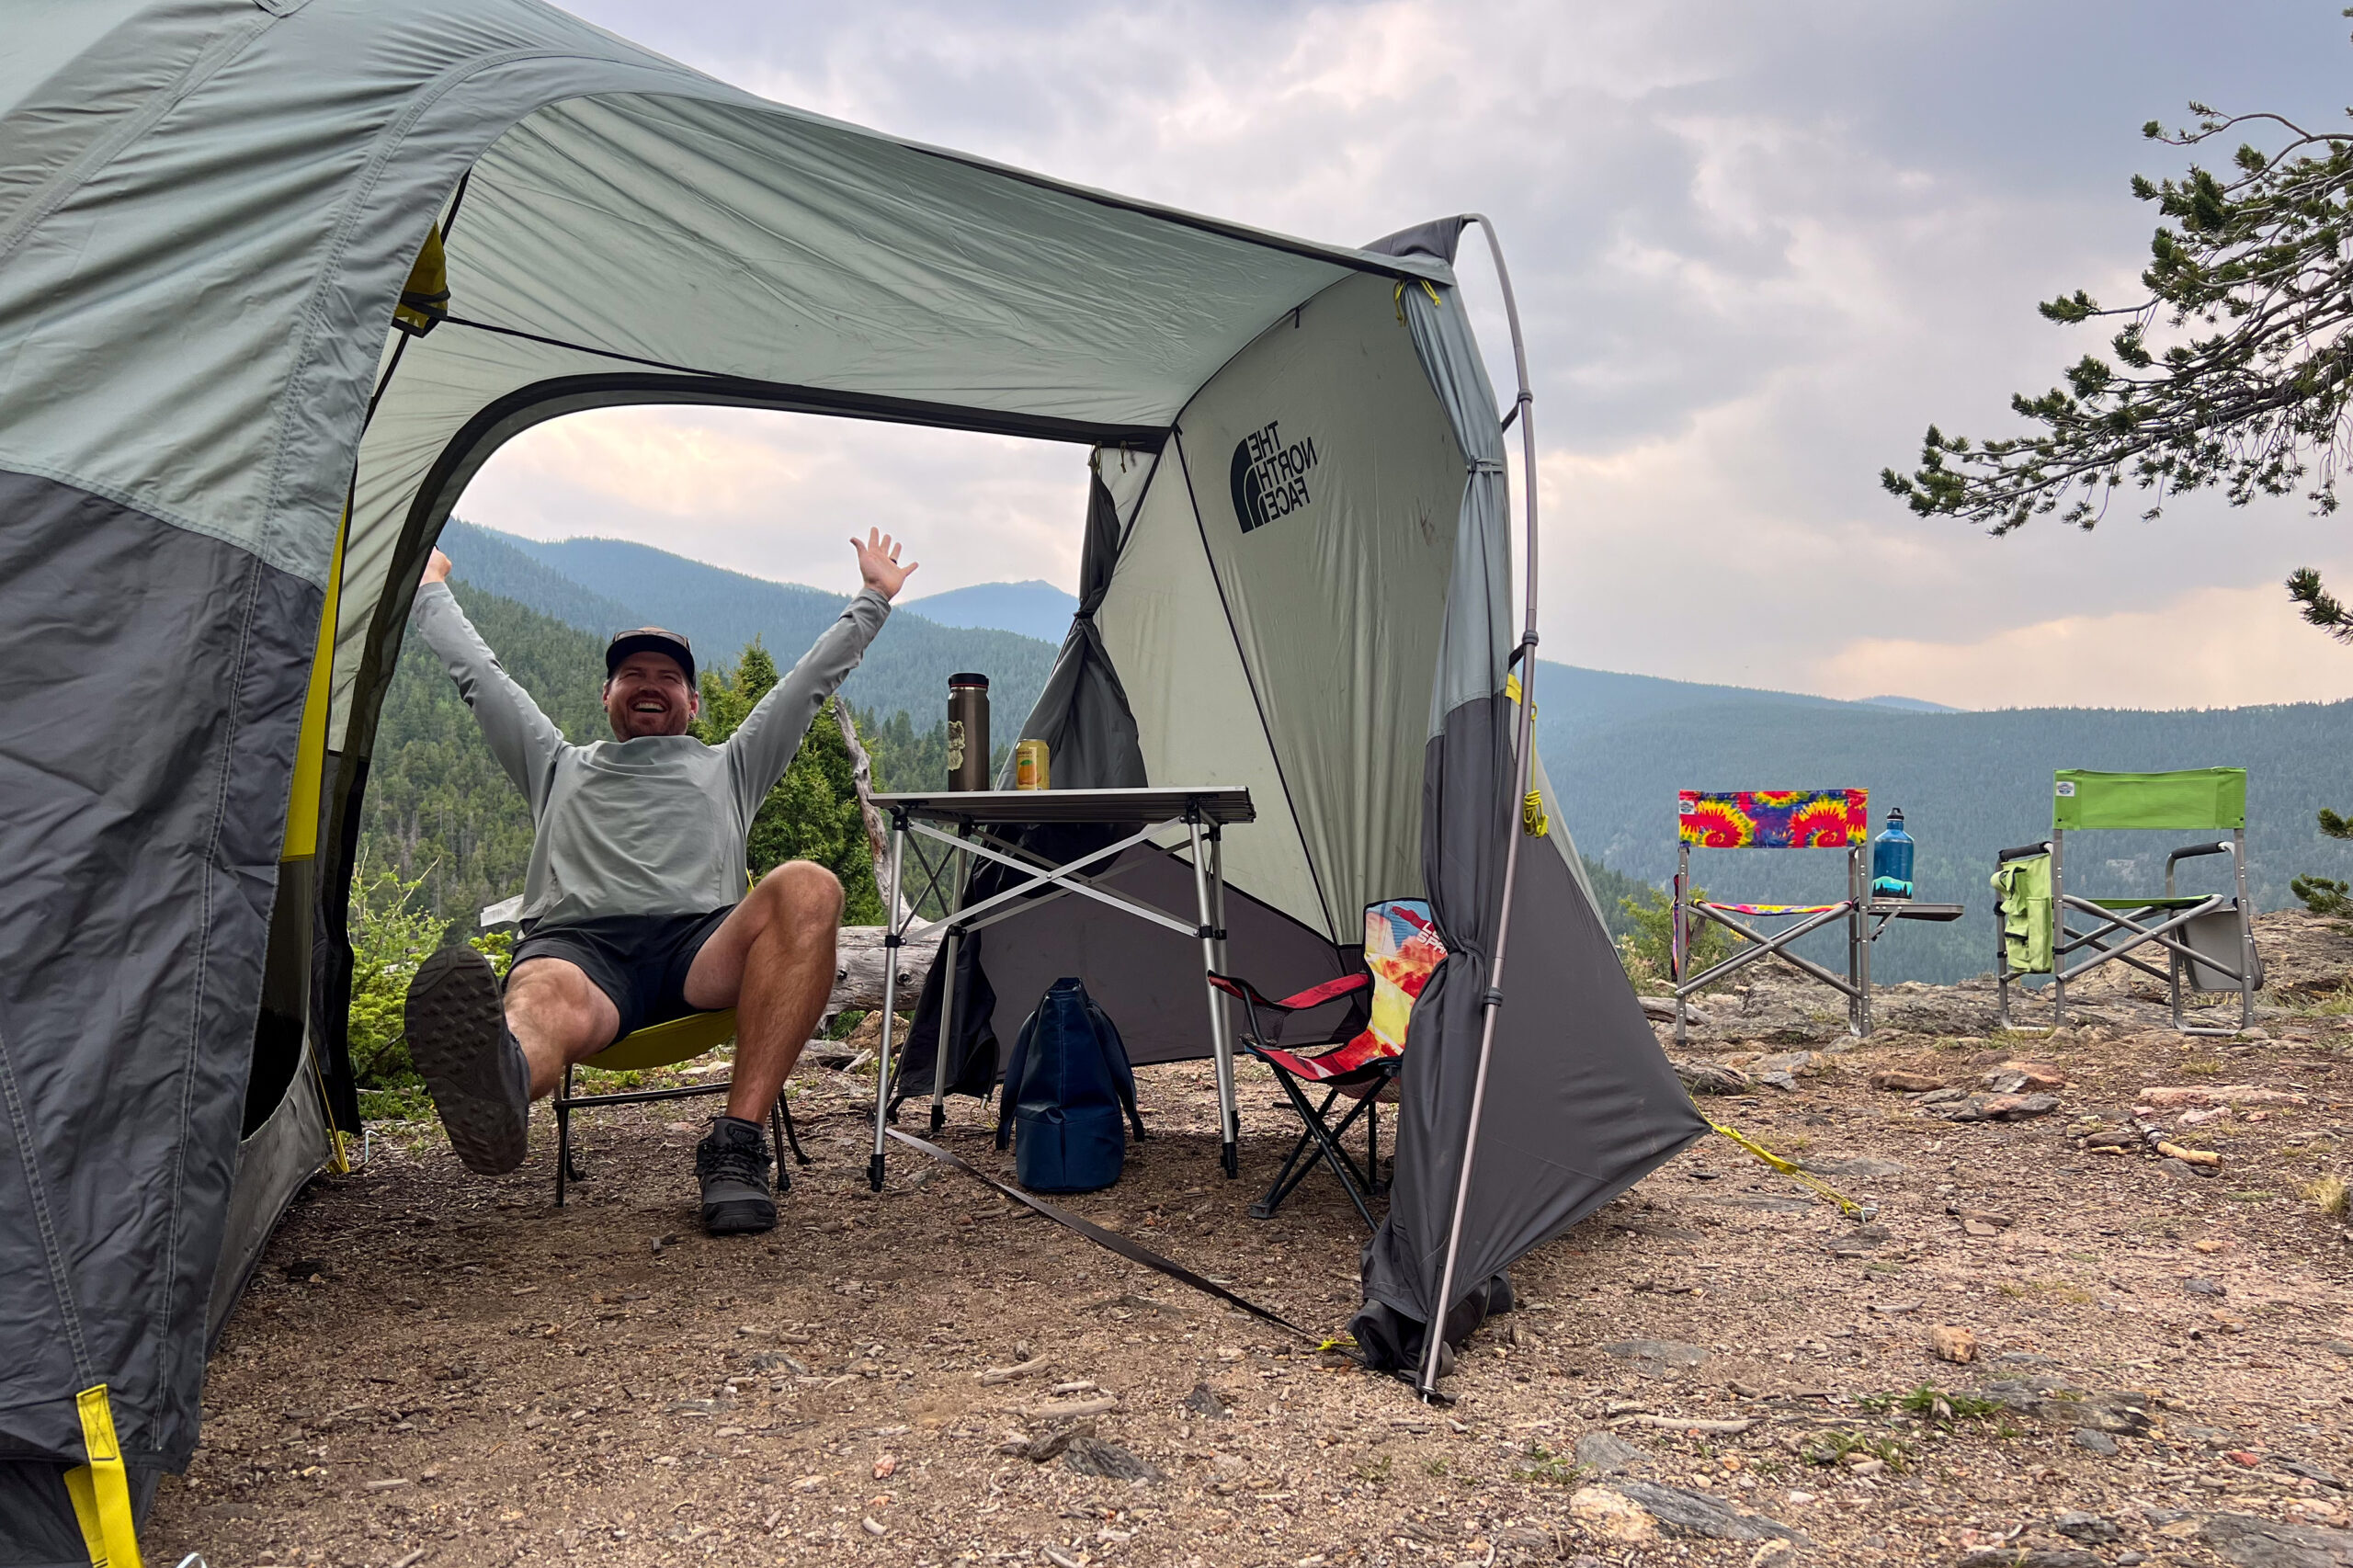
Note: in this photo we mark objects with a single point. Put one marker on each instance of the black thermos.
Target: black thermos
(968, 731)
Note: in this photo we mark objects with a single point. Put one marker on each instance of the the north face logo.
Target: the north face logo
(1271, 477)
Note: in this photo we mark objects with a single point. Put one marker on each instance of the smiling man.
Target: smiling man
(634, 908)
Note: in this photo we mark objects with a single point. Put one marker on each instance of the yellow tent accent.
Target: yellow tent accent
(100, 1489)
(311, 755)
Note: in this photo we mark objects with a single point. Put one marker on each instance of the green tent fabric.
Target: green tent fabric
(2196, 799)
(2023, 887)
(209, 212)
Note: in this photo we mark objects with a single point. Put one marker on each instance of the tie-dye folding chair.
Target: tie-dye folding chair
(1367, 1048)
(1772, 819)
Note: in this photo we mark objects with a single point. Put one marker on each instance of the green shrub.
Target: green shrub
(390, 935)
(1647, 949)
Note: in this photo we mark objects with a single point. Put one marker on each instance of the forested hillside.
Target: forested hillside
(600, 584)
(1617, 746)
(1969, 784)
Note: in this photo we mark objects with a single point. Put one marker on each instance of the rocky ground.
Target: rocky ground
(1719, 1368)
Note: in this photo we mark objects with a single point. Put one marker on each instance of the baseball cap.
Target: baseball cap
(649, 640)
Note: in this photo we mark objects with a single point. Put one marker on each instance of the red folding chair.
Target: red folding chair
(1367, 1050)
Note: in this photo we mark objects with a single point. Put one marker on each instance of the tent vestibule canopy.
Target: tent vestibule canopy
(222, 470)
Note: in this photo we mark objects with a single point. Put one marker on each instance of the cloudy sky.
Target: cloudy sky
(1758, 248)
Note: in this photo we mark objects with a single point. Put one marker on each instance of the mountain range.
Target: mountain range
(1617, 746)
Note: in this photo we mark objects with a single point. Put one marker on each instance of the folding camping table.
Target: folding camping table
(972, 823)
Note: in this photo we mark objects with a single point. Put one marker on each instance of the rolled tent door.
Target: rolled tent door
(1578, 1101)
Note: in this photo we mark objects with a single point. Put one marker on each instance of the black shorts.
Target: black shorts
(639, 961)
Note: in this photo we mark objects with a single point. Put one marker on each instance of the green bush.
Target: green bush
(390, 935)
(1647, 949)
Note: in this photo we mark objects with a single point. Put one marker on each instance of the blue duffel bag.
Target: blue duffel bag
(1064, 1089)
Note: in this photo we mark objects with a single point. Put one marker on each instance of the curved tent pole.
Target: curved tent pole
(1523, 757)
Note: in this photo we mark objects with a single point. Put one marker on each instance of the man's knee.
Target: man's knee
(554, 995)
(804, 892)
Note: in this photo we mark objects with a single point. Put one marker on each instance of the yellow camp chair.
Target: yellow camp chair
(664, 1045)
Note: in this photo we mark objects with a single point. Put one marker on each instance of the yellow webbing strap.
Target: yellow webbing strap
(1427, 288)
(1846, 1206)
(100, 1489)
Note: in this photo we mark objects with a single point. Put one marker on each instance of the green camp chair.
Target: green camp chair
(2207, 939)
(664, 1045)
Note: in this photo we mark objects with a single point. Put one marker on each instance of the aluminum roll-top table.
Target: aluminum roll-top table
(972, 823)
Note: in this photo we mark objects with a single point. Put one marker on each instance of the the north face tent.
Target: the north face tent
(212, 444)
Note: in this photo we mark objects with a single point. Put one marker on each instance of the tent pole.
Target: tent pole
(891, 937)
(1523, 757)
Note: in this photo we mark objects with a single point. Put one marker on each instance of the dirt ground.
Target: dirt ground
(432, 1368)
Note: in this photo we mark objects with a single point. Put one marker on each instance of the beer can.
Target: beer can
(1029, 771)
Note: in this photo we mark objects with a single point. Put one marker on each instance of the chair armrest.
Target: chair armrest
(2022, 851)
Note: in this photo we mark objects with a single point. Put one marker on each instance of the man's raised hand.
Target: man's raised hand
(436, 569)
(878, 563)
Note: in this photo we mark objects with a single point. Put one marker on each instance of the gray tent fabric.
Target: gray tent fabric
(1083, 714)
(1580, 1101)
(142, 799)
(207, 210)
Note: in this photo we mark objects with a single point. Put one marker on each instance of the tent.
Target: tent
(221, 468)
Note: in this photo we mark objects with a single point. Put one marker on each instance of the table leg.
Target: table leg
(946, 1030)
(891, 939)
(1221, 1041)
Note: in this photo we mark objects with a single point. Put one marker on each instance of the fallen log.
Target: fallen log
(857, 967)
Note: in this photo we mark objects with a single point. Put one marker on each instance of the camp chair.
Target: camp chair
(664, 1045)
(2207, 939)
(1772, 819)
(1401, 950)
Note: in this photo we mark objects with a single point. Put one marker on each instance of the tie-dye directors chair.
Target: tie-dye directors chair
(1772, 819)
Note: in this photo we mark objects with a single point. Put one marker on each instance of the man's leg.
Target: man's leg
(559, 1016)
(772, 960)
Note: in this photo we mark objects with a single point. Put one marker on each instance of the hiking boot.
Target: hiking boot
(459, 1040)
(733, 1165)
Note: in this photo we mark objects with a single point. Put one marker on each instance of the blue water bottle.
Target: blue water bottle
(1891, 860)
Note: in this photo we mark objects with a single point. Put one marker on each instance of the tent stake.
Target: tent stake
(1523, 757)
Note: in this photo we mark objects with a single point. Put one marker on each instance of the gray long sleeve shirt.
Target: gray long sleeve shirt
(656, 825)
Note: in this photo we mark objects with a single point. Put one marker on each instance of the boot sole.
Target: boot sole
(453, 1016)
(738, 1217)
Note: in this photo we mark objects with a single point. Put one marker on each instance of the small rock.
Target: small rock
(2307, 1470)
(1711, 1077)
(1093, 1456)
(1606, 1453)
(2097, 1442)
(2201, 1287)
(1696, 1514)
(1951, 1343)
(1896, 1080)
(2019, 1108)
(1204, 1400)
(304, 1270)
(886, 1467)
(2251, 1542)
(1049, 1445)
(2089, 1528)
(1653, 1354)
(1942, 1096)
(2017, 1075)
(2212, 1113)
(2028, 1557)
(873, 1525)
(1612, 1516)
